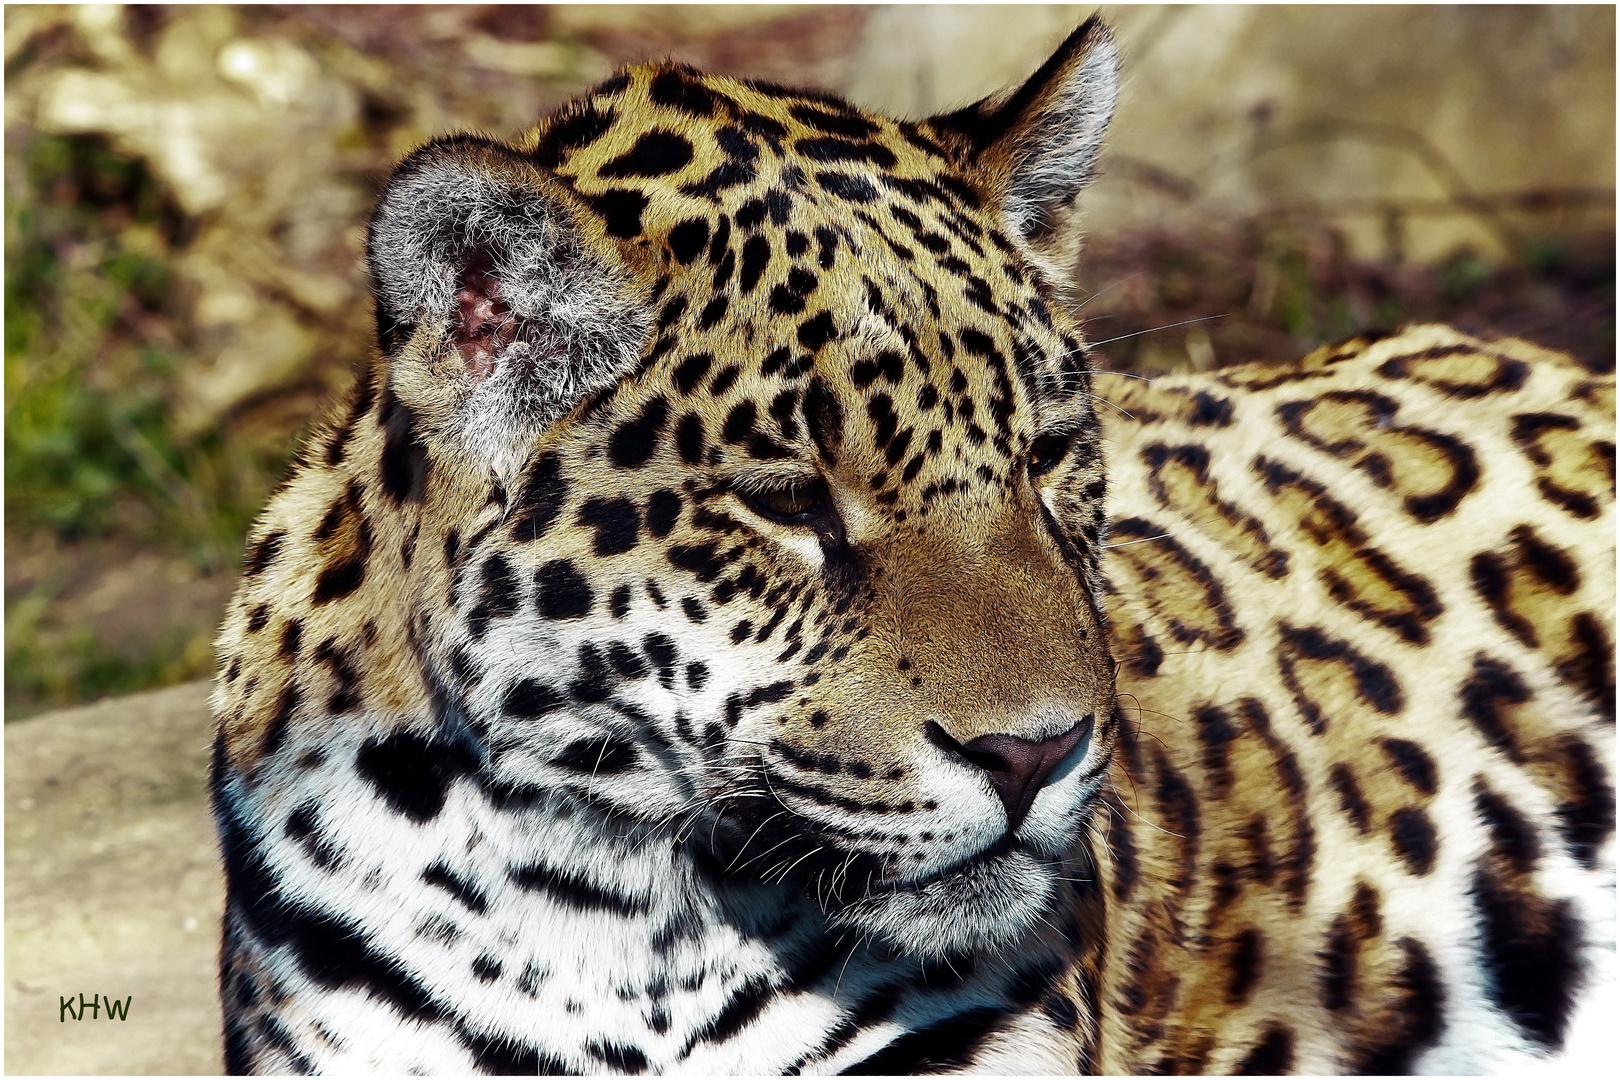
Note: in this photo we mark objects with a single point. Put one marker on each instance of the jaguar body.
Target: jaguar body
(693, 643)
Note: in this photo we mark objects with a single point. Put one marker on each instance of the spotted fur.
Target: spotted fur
(686, 650)
(1363, 812)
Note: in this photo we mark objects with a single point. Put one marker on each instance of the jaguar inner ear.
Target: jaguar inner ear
(1038, 143)
(484, 324)
(500, 304)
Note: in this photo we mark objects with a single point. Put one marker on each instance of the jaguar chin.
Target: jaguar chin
(977, 906)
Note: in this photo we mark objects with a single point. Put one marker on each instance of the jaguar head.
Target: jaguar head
(749, 439)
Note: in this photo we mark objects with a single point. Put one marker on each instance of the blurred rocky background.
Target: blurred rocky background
(186, 190)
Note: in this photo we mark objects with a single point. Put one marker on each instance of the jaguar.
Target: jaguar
(707, 638)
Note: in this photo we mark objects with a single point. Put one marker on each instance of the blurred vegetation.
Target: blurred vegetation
(186, 190)
(91, 349)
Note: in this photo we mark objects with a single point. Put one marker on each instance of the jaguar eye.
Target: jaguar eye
(1046, 451)
(801, 503)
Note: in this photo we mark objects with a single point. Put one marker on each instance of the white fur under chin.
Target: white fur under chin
(983, 906)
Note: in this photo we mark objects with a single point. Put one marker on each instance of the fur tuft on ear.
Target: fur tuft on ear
(495, 309)
(1038, 143)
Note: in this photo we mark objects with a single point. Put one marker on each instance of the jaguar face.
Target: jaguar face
(808, 574)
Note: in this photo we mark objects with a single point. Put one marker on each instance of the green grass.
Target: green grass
(94, 334)
(89, 448)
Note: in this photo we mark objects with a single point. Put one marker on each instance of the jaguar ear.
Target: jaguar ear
(1038, 143)
(499, 307)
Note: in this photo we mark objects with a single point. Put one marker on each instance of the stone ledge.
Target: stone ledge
(112, 887)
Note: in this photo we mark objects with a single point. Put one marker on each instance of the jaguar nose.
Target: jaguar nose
(1016, 768)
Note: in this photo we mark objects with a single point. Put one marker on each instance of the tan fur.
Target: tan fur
(1348, 534)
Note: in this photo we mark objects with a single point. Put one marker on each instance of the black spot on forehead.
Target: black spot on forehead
(918, 191)
(843, 122)
(772, 131)
(655, 153)
(855, 189)
(756, 257)
(721, 244)
(817, 331)
(782, 408)
(723, 272)
(663, 511)
(571, 133)
(751, 214)
(634, 441)
(620, 210)
(689, 438)
(690, 372)
(739, 422)
(824, 417)
(833, 151)
(679, 89)
(715, 309)
(912, 134)
(789, 297)
(688, 239)
(780, 205)
(738, 147)
(827, 246)
(886, 363)
(775, 361)
(728, 174)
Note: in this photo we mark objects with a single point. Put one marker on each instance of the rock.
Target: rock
(536, 59)
(262, 355)
(672, 21)
(1390, 121)
(113, 888)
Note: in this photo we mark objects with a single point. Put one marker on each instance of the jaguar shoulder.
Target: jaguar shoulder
(689, 645)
